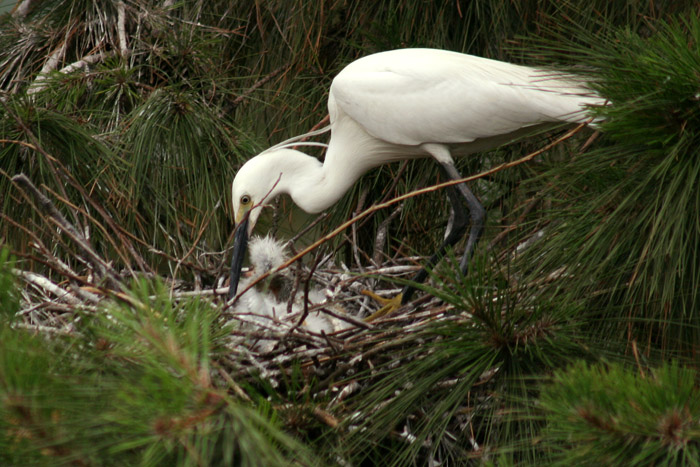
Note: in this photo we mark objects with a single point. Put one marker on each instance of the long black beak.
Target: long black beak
(240, 243)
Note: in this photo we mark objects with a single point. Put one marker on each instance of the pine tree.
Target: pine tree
(571, 340)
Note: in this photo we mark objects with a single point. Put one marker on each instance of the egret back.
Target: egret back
(414, 96)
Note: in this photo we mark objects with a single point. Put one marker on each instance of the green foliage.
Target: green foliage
(135, 385)
(612, 415)
(627, 231)
(9, 299)
(591, 249)
(483, 359)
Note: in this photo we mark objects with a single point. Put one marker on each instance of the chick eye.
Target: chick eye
(245, 199)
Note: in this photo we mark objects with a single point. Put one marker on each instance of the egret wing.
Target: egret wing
(415, 96)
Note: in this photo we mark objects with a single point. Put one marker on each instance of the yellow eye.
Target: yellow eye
(245, 199)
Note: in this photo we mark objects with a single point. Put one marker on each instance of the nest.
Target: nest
(269, 346)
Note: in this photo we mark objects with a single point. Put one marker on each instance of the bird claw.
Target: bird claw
(389, 305)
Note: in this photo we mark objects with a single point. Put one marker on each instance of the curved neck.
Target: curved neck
(315, 186)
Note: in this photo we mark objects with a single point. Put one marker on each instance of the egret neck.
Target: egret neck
(315, 186)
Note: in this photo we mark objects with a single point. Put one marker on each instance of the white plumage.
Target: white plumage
(266, 304)
(406, 104)
(416, 96)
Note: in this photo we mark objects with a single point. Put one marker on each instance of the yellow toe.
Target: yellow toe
(389, 305)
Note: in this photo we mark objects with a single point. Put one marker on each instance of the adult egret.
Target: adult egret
(407, 104)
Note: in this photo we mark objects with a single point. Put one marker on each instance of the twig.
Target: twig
(382, 233)
(194, 244)
(105, 232)
(307, 283)
(236, 388)
(376, 207)
(318, 219)
(532, 203)
(51, 261)
(344, 317)
(43, 283)
(103, 269)
(121, 29)
(353, 228)
(262, 81)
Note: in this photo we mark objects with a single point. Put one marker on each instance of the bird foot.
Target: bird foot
(389, 305)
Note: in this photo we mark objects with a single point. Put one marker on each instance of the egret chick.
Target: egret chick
(267, 254)
(266, 304)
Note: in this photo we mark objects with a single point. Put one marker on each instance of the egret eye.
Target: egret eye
(245, 199)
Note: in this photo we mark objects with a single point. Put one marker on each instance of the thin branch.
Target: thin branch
(262, 81)
(50, 65)
(374, 208)
(101, 267)
(303, 231)
(121, 29)
(194, 245)
(102, 228)
(382, 234)
(307, 283)
(85, 61)
(45, 284)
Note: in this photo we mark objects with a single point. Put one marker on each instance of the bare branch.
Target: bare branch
(121, 29)
(50, 65)
(85, 61)
(22, 9)
(237, 101)
(101, 267)
(45, 284)
(382, 232)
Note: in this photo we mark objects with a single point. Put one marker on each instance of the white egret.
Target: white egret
(406, 104)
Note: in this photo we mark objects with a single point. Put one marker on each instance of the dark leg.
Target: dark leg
(477, 213)
(455, 229)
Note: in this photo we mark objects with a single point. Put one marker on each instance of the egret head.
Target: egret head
(260, 180)
(254, 187)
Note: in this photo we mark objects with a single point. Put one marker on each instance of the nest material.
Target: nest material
(331, 360)
(53, 305)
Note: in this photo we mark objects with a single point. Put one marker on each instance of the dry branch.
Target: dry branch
(100, 266)
(261, 82)
(22, 9)
(376, 207)
(51, 64)
(121, 29)
(45, 284)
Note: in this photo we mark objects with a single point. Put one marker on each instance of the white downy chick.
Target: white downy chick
(262, 302)
(266, 303)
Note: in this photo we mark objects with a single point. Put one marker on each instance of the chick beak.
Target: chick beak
(240, 243)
